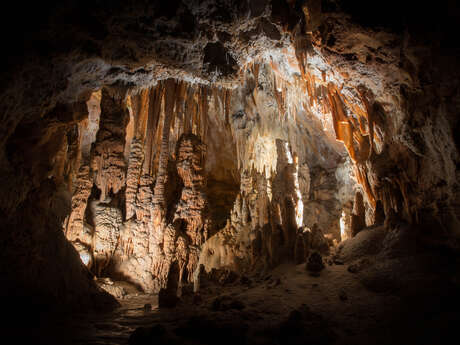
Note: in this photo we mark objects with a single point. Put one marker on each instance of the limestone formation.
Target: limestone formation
(107, 228)
(107, 159)
(158, 136)
(136, 157)
(82, 190)
(358, 216)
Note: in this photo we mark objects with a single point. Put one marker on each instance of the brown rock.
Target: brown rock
(315, 264)
(107, 155)
(358, 217)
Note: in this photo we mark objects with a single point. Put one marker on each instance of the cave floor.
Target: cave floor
(288, 306)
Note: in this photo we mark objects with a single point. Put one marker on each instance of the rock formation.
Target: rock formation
(141, 138)
(358, 221)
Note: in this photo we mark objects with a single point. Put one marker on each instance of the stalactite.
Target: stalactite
(361, 177)
(134, 104)
(195, 121)
(155, 101)
(225, 100)
(169, 99)
(179, 95)
(188, 110)
(157, 235)
(255, 71)
(180, 110)
(130, 130)
(278, 96)
(143, 114)
(203, 110)
(313, 90)
(370, 121)
(342, 126)
(228, 98)
(163, 234)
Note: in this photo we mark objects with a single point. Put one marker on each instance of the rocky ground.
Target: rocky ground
(378, 287)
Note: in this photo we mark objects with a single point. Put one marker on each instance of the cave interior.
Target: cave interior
(230, 171)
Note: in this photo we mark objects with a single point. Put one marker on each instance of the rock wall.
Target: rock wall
(142, 204)
(40, 268)
(282, 94)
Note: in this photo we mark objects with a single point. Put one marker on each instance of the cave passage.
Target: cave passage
(235, 172)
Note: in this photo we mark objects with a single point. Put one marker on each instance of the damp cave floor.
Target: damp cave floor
(346, 311)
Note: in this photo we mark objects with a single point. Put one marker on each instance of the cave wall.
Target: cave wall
(133, 216)
(329, 82)
(39, 266)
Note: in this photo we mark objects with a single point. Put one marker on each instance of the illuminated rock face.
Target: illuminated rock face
(223, 144)
(134, 225)
(107, 160)
(192, 208)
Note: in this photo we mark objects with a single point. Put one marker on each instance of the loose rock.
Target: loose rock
(315, 264)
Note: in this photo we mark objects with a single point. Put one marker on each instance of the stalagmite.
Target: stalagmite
(136, 156)
(167, 217)
(294, 141)
(358, 216)
(192, 208)
(107, 158)
(82, 190)
(107, 224)
(145, 145)
(77, 230)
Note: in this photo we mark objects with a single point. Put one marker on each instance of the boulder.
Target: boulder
(315, 264)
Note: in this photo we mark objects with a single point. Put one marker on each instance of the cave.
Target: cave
(230, 171)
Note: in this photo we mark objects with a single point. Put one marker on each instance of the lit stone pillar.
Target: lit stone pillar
(345, 224)
(358, 221)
